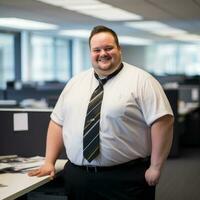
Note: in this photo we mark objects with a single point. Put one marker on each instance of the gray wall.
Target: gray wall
(135, 55)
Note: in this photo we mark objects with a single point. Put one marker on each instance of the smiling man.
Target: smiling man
(105, 53)
(116, 125)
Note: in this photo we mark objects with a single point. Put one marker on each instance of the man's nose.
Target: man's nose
(103, 52)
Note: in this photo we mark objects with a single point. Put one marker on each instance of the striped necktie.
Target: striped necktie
(92, 120)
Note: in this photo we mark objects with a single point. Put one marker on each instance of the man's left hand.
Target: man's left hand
(152, 176)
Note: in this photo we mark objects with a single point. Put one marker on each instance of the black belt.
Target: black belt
(95, 169)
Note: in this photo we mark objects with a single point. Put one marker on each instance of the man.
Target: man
(134, 130)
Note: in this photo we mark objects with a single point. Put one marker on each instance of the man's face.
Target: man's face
(105, 55)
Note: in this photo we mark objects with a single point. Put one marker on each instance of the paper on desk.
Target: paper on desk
(20, 164)
(4, 166)
(7, 157)
(195, 94)
(20, 121)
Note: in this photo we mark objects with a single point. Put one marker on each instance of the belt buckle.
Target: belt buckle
(91, 168)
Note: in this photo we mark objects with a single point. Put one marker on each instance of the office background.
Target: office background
(38, 54)
(36, 61)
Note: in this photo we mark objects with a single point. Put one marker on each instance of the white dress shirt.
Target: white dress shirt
(132, 101)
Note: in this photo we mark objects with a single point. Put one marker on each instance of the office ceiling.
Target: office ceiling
(184, 14)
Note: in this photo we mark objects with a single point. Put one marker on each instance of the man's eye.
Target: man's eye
(96, 50)
(108, 49)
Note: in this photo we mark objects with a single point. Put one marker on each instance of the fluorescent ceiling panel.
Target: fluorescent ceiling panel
(82, 5)
(188, 38)
(111, 14)
(53, 2)
(146, 25)
(128, 40)
(169, 32)
(24, 24)
(155, 27)
(95, 8)
(81, 33)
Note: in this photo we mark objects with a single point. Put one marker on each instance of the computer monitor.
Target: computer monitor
(172, 95)
(189, 93)
(1, 94)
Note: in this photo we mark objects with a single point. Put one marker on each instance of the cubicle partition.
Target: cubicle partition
(2, 94)
(35, 91)
(23, 132)
(189, 93)
(50, 95)
(173, 95)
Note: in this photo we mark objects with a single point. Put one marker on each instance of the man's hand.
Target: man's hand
(44, 170)
(152, 176)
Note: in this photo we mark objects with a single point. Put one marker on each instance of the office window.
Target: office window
(49, 58)
(80, 55)
(173, 59)
(62, 57)
(189, 59)
(161, 59)
(86, 55)
(6, 58)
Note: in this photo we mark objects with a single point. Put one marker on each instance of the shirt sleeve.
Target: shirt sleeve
(153, 101)
(57, 114)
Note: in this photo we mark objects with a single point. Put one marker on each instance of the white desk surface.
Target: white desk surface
(185, 108)
(14, 185)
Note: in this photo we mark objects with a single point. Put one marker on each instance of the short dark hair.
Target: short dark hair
(100, 29)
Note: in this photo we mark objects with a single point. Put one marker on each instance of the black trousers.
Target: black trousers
(121, 182)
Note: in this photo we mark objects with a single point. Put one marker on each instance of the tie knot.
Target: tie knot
(102, 81)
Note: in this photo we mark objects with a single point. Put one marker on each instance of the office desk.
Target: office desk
(186, 108)
(14, 185)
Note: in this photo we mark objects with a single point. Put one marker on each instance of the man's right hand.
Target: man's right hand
(44, 170)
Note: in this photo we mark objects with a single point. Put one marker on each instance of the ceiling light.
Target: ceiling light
(78, 5)
(53, 2)
(24, 24)
(155, 27)
(146, 25)
(169, 32)
(128, 40)
(96, 9)
(110, 13)
(82, 33)
(187, 37)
